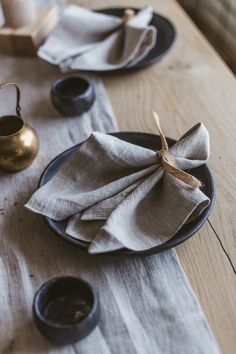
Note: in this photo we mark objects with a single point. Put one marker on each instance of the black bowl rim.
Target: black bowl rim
(62, 79)
(173, 242)
(45, 286)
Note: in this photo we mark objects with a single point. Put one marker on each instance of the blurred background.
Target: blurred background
(217, 20)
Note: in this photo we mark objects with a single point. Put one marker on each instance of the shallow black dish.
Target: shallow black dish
(152, 142)
(65, 288)
(72, 95)
(165, 37)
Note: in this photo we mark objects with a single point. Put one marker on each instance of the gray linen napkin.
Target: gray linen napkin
(119, 194)
(87, 40)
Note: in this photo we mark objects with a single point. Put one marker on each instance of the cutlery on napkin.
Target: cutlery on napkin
(119, 195)
(88, 40)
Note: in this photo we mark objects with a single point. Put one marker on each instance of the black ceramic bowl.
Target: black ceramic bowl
(66, 309)
(72, 95)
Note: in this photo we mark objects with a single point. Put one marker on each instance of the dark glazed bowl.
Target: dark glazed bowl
(51, 293)
(72, 95)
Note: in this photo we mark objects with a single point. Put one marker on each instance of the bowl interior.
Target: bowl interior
(10, 125)
(71, 87)
(64, 301)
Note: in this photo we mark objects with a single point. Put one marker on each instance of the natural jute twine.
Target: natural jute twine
(168, 161)
(128, 15)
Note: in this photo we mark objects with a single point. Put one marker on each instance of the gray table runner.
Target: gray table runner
(147, 305)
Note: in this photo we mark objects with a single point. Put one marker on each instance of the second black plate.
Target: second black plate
(152, 142)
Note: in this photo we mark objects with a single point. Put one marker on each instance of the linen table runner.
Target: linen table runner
(147, 305)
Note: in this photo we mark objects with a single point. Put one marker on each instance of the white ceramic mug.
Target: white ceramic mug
(18, 13)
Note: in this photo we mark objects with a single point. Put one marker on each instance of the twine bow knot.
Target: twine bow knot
(168, 161)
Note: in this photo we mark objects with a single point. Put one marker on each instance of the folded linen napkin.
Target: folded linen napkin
(124, 196)
(88, 40)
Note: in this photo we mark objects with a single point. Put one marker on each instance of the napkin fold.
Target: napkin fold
(88, 40)
(119, 195)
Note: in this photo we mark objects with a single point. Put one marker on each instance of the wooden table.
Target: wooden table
(192, 84)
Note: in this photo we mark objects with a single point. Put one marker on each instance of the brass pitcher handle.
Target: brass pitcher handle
(18, 107)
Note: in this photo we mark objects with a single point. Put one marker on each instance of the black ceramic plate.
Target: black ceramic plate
(165, 37)
(152, 142)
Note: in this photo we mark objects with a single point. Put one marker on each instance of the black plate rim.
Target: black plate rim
(144, 63)
(173, 242)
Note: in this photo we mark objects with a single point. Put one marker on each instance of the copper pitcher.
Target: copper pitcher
(18, 142)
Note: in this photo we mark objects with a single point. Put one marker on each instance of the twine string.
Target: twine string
(168, 161)
(128, 15)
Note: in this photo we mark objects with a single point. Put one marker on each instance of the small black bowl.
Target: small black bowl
(66, 309)
(72, 95)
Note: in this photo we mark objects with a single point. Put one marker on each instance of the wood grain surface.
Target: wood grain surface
(190, 84)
